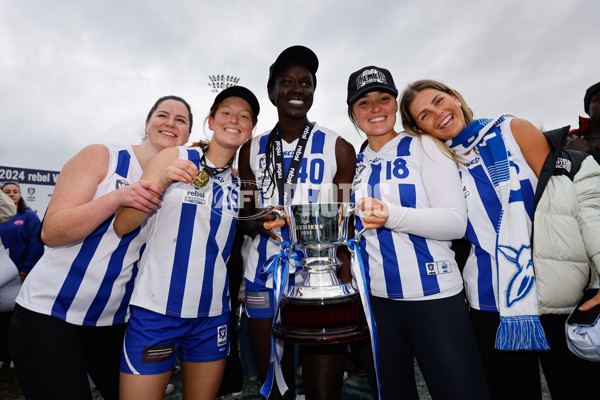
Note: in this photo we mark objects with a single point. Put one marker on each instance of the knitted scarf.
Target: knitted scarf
(520, 327)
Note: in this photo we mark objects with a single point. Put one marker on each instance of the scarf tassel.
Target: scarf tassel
(523, 332)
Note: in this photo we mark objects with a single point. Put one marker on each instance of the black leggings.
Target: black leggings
(513, 375)
(439, 334)
(516, 374)
(53, 357)
(568, 376)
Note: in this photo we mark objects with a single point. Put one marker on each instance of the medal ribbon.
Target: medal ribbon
(278, 264)
(292, 174)
(211, 171)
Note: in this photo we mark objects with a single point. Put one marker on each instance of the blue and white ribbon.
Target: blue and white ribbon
(278, 265)
(358, 270)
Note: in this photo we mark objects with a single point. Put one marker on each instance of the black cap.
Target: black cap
(368, 79)
(295, 54)
(592, 90)
(242, 92)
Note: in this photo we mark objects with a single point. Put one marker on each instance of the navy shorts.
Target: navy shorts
(153, 341)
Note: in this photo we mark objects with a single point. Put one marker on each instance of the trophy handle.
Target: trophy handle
(358, 236)
(278, 223)
(352, 208)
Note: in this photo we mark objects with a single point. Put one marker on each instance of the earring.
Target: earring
(459, 104)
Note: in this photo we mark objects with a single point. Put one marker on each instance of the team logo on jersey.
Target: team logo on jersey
(120, 183)
(157, 353)
(222, 335)
(444, 267)
(438, 267)
(262, 162)
(360, 167)
(430, 268)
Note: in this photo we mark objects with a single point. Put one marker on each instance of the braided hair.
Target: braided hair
(269, 171)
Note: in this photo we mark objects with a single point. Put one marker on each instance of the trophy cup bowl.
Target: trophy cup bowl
(321, 309)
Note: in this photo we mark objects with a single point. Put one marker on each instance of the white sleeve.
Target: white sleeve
(446, 219)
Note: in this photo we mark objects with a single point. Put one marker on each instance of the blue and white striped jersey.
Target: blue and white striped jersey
(398, 263)
(89, 283)
(183, 270)
(314, 185)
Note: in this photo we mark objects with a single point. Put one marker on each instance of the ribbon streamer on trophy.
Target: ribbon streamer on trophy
(320, 309)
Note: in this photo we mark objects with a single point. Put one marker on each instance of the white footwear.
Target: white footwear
(170, 388)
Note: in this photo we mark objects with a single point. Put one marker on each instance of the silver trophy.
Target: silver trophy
(320, 309)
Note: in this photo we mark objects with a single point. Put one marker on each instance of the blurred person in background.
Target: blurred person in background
(20, 234)
(587, 137)
(20, 237)
(8, 270)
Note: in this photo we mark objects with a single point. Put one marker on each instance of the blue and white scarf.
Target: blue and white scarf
(520, 327)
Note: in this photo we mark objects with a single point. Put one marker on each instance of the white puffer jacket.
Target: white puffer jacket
(566, 233)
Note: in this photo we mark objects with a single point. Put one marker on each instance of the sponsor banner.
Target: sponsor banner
(36, 185)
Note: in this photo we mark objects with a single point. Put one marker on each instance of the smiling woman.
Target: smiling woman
(497, 156)
(72, 310)
(519, 296)
(411, 206)
(180, 305)
(324, 163)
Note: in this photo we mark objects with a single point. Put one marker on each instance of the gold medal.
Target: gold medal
(202, 178)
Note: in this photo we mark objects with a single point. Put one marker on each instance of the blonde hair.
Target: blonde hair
(409, 123)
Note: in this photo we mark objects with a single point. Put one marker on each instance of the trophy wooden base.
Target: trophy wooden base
(321, 321)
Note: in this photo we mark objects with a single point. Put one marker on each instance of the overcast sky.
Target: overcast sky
(74, 73)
